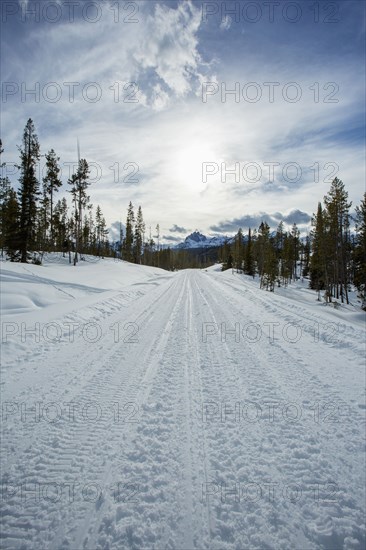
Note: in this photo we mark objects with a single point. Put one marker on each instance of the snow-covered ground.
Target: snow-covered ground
(143, 409)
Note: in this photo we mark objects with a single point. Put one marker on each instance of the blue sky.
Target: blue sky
(142, 85)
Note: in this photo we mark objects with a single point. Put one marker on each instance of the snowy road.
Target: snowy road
(193, 412)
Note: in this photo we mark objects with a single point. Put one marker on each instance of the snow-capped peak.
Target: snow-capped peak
(198, 240)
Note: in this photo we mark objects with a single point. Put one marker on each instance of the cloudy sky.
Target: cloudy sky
(211, 115)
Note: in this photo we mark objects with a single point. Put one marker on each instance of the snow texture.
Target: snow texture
(143, 409)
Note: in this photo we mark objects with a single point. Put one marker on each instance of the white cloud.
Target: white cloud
(160, 99)
(169, 132)
(226, 23)
(170, 46)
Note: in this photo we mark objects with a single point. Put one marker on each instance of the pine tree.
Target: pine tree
(279, 238)
(338, 218)
(87, 231)
(158, 244)
(12, 242)
(306, 257)
(286, 266)
(61, 226)
(51, 184)
(101, 232)
(226, 256)
(41, 223)
(249, 267)
(319, 279)
(104, 234)
(262, 245)
(128, 242)
(79, 184)
(149, 248)
(5, 197)
(120, 240)
(29, 189)
(295, 248)
(267, 258)
(139, 236)
(360, 251)
(238, 250)
(279, 246)
(98, 228)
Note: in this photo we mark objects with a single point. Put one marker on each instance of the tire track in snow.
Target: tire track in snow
(98, 386)
(151, 430)
(296, 381)
(62, 363)
(280, 307)
(173, 430)
(171, 452)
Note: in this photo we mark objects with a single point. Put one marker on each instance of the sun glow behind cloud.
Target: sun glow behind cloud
(169, 131)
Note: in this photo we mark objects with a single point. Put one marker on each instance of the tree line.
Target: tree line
(141, 248)
(332, 255)
(33, 221)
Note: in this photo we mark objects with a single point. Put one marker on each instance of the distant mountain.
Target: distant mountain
(198, 240)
